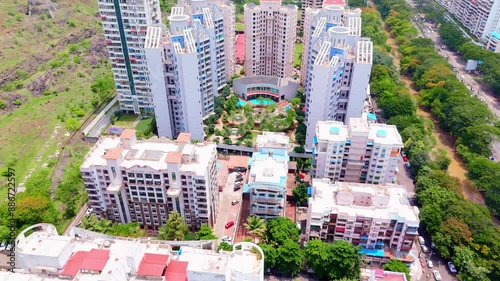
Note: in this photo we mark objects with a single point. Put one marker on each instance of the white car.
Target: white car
(437, 275)
(424, 248)
(421, 240)
(89, 212)
(430, 264)
(226, 239)
(452, 267)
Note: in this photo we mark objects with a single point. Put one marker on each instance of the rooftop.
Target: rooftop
(153, 153)
(358, 199)
(93, 256)
(268, 168)
(273, 140)
(338, 132)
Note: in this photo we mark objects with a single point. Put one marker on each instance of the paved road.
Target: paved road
(227, 212)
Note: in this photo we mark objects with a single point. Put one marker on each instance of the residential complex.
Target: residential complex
(491, 43)
(480, 16)
(336, 66)
(313, 4)
(90, 256)
(125, 24)
(270, 33)
(373, 216)
(358, 152)
(143, 181)
(268, 175)
(187, 64)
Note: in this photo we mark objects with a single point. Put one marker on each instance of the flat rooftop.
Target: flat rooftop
(155, 154)
(325, 201)
(267, 168)
(338, 132)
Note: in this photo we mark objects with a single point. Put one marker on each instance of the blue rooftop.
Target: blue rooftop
(381, 133)
(371, 116)
(334, 130)
(495, 34)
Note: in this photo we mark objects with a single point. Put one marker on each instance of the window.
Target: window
(174, 178)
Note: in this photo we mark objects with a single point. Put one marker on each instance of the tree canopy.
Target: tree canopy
(175, 228)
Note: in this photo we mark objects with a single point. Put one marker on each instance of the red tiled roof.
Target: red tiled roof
(153, 265)
(176, 270)
(184, 138)
(113, 154)
(240, 47)
(174, 157)
(127, 134)
(96, 259)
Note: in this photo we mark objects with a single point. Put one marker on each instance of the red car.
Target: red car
(229, 224)
(405, 158)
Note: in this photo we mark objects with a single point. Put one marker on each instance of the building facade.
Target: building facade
(82, 255)
(270, 34)
(143, 181)
(275, 88)
(336, 65)
(373, 216)
(125, 24)
(479, 16)
(268, 175)
(188, 66)
(491, 43)
(359, 152)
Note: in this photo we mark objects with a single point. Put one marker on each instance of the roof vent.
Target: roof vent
(107, 244)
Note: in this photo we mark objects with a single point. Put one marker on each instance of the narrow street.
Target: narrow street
(228, 212)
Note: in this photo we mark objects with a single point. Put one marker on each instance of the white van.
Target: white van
(421, 240)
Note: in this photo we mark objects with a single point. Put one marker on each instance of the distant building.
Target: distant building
(479, 16)
(274, 88)
(268, 175)
(359, 152)
(372, 216)
(336, 66)
(270, 33)
(491, 43)
(90, 256)
(368, 274)
(188, 64)
(143, 181)
(125, 24)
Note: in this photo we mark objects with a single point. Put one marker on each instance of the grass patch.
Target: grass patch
(240, 27)
(144, 125)
(126, 120)
(297, 54)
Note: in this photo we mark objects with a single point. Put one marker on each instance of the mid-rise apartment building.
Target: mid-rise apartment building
(270, 33)
(359, 152)
(82, 255)
(480, 16)
(143, 181)
(491, 42)
(268, 175)
(373, 216)
(188, 66)
(125, 23)
(336, 65)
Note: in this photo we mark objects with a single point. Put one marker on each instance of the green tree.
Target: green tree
(256, 226)
(270, 256)
(224, 246)
(397, 266)
(289, 258)
(300, 194)
(299, 149)
(281, 229)
(465, 259)
(72, 124)
(92, 223)
(333, 261)
(175, 228)
(205, 233)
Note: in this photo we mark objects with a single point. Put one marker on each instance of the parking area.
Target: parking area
(227, 211)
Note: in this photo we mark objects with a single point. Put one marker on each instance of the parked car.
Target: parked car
(238, 182)
(221, 188)
(229, 224)
(234, 202)
(405, 158)
(437, 275)
(236, 188)
(407, 165)
(452, 267)
(424, 248)
(403, 153)
(430, 264)
(226, 238)
(433, 246)
(89, 212)
(421, 240)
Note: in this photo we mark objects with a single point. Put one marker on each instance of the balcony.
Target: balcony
(274, 212)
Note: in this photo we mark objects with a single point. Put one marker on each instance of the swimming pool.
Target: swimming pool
(264, 102)
(241, 103)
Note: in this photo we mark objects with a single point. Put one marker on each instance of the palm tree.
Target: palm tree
(256, 226)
